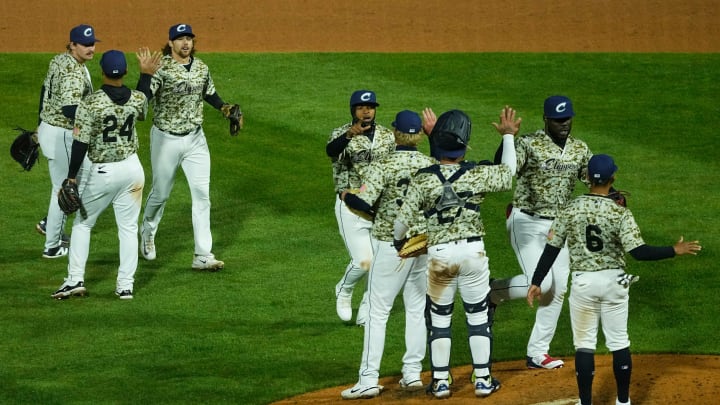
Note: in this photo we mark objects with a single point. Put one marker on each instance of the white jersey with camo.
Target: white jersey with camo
(547, 173)
(116, 177)
(179, 95)
(358, 154)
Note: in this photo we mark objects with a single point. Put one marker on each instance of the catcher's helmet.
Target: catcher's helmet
(450, 135)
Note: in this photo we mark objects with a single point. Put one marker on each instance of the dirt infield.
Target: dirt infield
(412, 26)
(373, 25)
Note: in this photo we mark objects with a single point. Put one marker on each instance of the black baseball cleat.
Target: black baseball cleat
(66, 291)
(124, 294)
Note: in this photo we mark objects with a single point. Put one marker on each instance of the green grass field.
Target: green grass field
(265, 328)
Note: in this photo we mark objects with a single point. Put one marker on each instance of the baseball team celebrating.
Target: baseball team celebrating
(387, 191)
(90, 140)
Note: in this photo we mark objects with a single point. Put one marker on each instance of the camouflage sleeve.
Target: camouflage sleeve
(630, 232)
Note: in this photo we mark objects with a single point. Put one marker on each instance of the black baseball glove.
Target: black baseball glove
(25, 148)
(233, 113)
(619, 197)
(69, 198)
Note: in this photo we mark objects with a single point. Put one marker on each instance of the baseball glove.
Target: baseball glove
(414, 246)
(619, 197)
(69, 198)
(24, 148)
(233, 113)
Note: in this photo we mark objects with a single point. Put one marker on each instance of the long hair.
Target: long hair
(167, 50)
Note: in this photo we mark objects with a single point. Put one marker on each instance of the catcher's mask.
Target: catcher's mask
(451, 135)
(362, 97)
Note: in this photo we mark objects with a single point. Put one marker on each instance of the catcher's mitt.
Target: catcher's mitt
(69, 198)
(619, 197)
(24, 148)
(414, 246)
(233, 113)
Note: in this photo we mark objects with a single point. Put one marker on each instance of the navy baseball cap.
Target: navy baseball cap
(408, 122)
(83, 34)
(113, 64)
(180, 30)
(363, 97)
(601, 168)
(558, 107)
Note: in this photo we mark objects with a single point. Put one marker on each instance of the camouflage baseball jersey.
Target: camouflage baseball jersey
(385, 182)
(109, 128)
(67, 82)
(348, 168)
(598, 232)
(546, 173)
(179, 94)
(453, 223)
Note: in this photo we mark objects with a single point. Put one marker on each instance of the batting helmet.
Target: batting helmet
(451, 135)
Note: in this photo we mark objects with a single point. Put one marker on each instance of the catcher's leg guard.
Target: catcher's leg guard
(439, 338)
(480, 337)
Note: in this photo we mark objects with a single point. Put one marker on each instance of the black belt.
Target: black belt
(532, 214)
(468, 240)
(182, 133)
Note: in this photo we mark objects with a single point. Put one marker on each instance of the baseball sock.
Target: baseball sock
(622, 367)
(584, 373)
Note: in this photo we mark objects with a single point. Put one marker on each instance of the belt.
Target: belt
(468, 240)
(532, 214)
(192, 131)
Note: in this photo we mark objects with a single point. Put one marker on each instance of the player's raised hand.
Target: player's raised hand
(149, 61)
(429, 120)
(533, 292)
(508, 124)
(686, 248)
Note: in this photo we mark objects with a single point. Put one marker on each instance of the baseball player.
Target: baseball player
(550, 162)
(598, 232)
(384, 185)
(105, 132)
(177, 90)
(449, 195)
(66, 83)
(351, 147)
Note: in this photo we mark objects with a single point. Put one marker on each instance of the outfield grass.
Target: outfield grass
(265, 327)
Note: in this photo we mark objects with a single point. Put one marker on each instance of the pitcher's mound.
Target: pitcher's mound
(656, 379)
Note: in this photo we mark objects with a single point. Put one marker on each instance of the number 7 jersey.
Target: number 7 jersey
(105, 120)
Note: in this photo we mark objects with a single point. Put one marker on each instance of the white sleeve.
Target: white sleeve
(509, 157)
(400, 230)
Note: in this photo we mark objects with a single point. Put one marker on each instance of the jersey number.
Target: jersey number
(593, 242)
(111, 125)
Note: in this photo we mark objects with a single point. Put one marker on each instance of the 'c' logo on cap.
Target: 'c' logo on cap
(87, 32)
(181, 28)
(366, 96)
(561, 107)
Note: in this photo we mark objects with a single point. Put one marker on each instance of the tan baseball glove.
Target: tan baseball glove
(414, 246)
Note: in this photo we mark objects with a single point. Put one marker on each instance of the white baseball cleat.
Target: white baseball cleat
(147, 245)
(544, 361)
(411, 383)
(208, 262)
(343, 304)
(362, 392)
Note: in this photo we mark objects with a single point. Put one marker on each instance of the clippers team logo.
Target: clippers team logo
(88, 32)
(365, 96)
(181, 28)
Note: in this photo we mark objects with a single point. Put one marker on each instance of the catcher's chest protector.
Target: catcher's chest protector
(450, 198)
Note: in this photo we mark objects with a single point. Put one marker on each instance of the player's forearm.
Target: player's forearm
(79, 150)
(144, 85)
(335, 147)
(646, 252)
(509, 157)
(549, 254)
